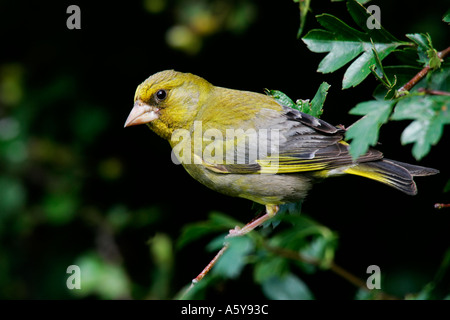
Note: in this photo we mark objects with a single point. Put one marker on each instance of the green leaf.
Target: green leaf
(440, 80)
(313, 108)
(321, 248)
(422, 46)
(304, 8)
(364, 132)
(344, 44)
(364, 294)
(430, 114)
(12, 195)
(287, 287)
(446, 17)
(281, 98)
(319, 99)
(269, 267)
(399, 75)
(108, 280)
(234, 259)
(361, 15)
(217, 222)
(447, 187)
(163, 257)
(428, 56)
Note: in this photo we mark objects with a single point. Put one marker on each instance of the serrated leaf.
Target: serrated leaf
(364, 132)
(287, 287)
(421, 39)
(360, 68)
(344, 44)
(313, 108)
(361, 15)
(430, 114)
(413, 107)
(319, 99)
(427, 54)
(282, 98)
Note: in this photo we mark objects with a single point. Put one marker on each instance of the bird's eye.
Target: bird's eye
(161, 95)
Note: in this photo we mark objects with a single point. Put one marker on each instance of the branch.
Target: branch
(294, 255)
(441, 205)
(434, 92)
(422, 73)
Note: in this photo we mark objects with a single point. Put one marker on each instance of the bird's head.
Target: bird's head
(168, 100)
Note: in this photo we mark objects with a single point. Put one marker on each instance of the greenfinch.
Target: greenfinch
(246, 144)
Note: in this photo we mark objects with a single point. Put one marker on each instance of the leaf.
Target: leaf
(314, 108)
(269, 267)
(319, 99)
(163, 257)
(234, 259)
(446, 17)
(344, 44)
(287, 287)
(108, 280)
(217, 222)
(430, 114)
(321, 248)
(428, 56)
(364, 132)
(281, 98)
(304, 8)
(361, 15)
(447, 187)
(440, 80)
(400, 75)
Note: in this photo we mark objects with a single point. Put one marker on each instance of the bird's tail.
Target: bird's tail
(393, 173)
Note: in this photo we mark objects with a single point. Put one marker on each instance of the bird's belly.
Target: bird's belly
(261, 188)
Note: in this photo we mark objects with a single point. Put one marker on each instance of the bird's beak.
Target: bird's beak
(141, 113)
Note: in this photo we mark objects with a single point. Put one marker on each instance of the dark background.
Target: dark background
(84, 178)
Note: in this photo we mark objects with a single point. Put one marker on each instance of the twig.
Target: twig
(294, 255)
(202, 274)
(441, 205)
(421, 74)
(434, 92)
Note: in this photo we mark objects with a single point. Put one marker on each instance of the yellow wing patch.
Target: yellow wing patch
(290, 165)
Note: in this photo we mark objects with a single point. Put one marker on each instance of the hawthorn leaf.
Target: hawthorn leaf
(344, 44)
(430, 114)
(364, 132)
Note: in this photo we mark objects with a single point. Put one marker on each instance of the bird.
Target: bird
(249, 145)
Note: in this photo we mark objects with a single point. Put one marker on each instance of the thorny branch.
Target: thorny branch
(421, 74)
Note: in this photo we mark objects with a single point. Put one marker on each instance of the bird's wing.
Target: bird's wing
(295, 142)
